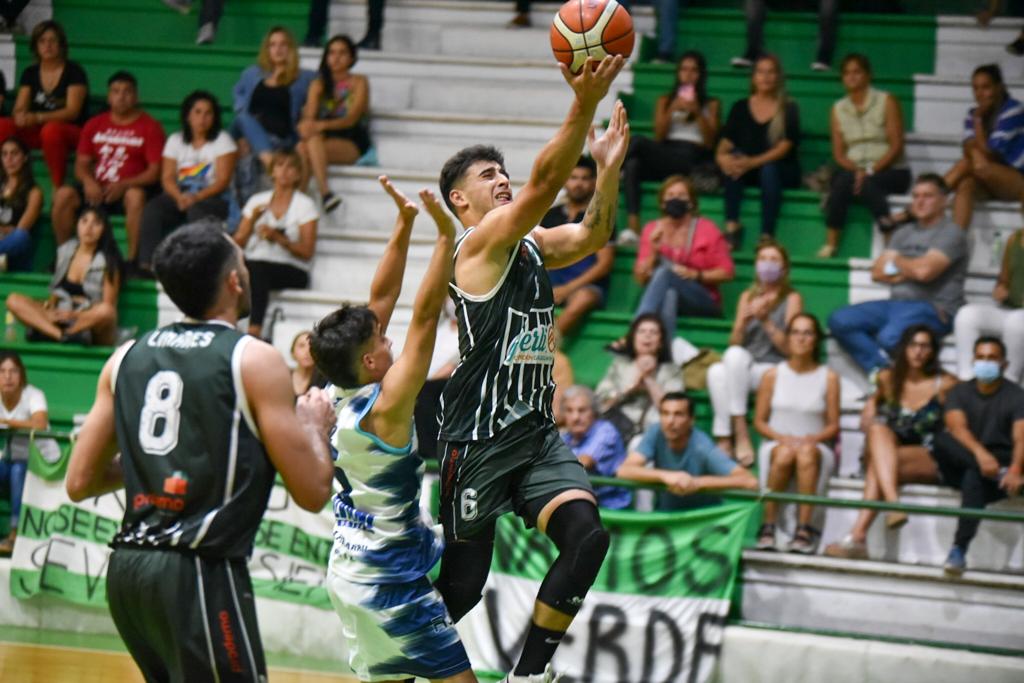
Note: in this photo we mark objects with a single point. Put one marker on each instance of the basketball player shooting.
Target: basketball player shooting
(498, 446)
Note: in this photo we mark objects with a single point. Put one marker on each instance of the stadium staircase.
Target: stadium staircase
(451, 74)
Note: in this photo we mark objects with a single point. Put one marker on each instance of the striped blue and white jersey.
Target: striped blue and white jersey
(380, 535)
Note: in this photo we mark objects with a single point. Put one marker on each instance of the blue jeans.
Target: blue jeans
(670, 296)
(18, 247)
(869, 331)
(248, 126)
(668, 17)
(13, 471)
(772, 178)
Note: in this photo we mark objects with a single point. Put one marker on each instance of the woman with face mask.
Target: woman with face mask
(682, 259)
(757, 343)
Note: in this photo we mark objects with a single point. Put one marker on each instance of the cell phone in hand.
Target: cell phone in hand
(686, 92)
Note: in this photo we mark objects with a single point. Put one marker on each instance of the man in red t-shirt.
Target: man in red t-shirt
(118, 162)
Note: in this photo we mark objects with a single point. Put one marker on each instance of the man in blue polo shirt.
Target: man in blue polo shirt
(595, 443)
(683, 458)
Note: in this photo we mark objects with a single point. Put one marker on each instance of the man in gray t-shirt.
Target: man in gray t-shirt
(925, 265)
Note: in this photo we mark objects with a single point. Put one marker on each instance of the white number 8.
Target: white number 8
(163, 401)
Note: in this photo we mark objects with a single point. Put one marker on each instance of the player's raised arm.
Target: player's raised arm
(295, 435)
(387, 281)
(94, 468)
(392, 412)
(506, 225)
(566, 244)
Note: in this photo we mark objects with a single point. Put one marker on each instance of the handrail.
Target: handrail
(731, 494)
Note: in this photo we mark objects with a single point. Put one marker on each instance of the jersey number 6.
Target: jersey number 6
(161, 413)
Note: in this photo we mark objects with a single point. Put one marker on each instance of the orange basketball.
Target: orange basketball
(595, 28)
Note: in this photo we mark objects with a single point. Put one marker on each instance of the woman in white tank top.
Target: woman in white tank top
(797, 414)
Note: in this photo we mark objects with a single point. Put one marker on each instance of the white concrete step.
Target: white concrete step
(941, 101)
(462, 28)
(961, 45)
(932, 152)
(925, 540)
(881, 598)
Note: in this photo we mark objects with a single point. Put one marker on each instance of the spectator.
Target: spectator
(828, 22)
(118, 163)
(9, 12)
(278, 233)
(583, 286)
(198, 163)
(797, 414)
(210, 12)
(22, 406)
(334, 126)
(982, 450)
(993, 145)
(638, 378)
(757, 343)
(21, 202)
(268, 99)
(925, 265)
(1004, 318)
(595, 443)
(49, 108)
(316, 23)
(759, 148)
(686, 124)
(305, 374)
(683, 458)
(900, 422)
(867, 146)
(82, 306)
(682, 258)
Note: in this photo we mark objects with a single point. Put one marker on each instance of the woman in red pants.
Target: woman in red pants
(50, 105)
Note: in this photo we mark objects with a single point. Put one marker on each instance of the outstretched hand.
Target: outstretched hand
(591, 84)
(445, 224)
(407, 209)
(609, 150)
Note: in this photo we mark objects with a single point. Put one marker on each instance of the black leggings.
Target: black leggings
(960, 470)
(266, 277)
(873, 193)
(651, 160)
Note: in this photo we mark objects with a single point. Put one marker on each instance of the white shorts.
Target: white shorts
(396, 630)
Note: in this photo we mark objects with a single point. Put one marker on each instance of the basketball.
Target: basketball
(594, 28)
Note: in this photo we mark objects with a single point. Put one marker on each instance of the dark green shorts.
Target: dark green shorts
(482, 480)
(186, 618)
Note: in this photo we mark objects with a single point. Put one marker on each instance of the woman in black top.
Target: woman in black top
(50, 106)
(758, 148)
(20, 204)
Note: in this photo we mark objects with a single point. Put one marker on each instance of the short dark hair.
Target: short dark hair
(122, 76)
(336, 341)
(455, 168)
(861, 60)
(16, 359)
(664, 350)
(678, 396)
(991, 339)
(993, 71)
(588, 163)
(41, 28)
(186, 107)
(935, 179)
(191, 263)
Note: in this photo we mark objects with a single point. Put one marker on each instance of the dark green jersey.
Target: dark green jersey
(195, 472)
(506, 350)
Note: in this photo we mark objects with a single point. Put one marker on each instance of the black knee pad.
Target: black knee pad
(582, 543)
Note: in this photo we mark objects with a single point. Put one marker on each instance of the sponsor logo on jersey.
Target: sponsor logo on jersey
(176, 484)
(228, 642)
(189, 339)
(349, 516)
(172, 503)
(533, 345)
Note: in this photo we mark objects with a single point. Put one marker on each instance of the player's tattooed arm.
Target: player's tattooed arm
(387, 281)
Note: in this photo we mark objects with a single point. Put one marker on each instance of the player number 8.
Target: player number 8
(161, 413)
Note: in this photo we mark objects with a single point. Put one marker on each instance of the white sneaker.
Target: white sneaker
(549, 676)
(626, 237)
(820, 66)
(740, 63)
(207, 32)
(182, 6)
